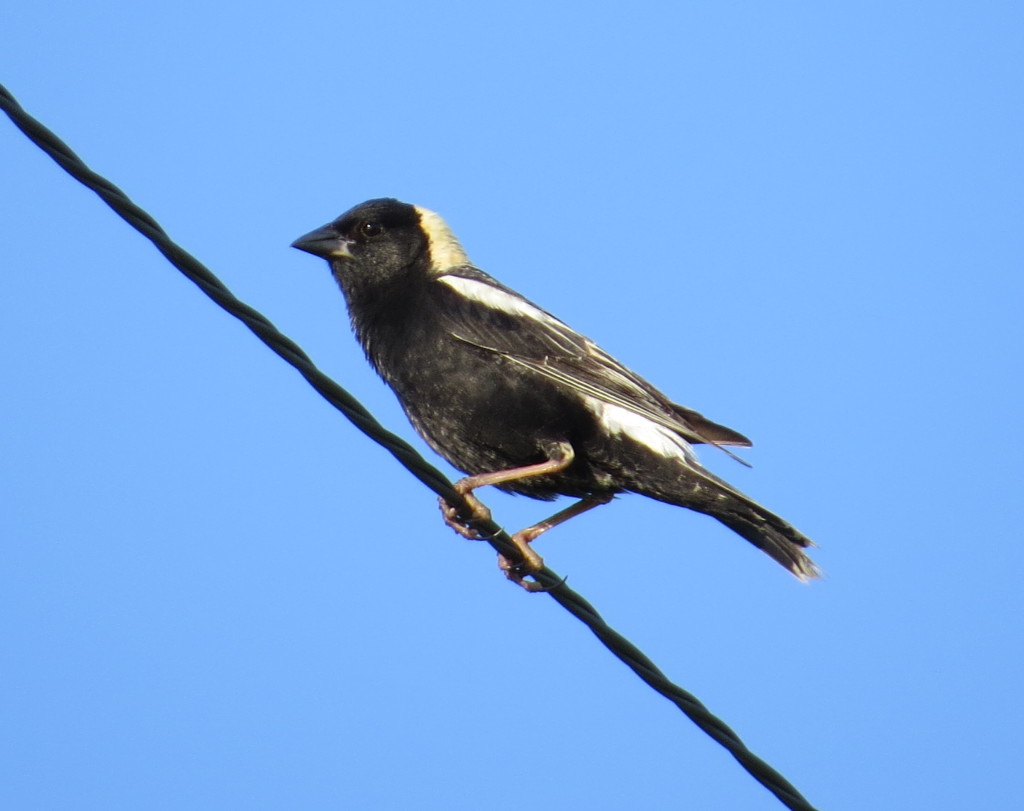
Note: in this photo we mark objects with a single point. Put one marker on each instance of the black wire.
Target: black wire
(621, 647)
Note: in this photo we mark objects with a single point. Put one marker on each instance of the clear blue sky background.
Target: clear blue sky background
(802, 218)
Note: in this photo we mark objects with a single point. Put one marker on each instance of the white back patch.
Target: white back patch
(445, 250)
(619, 420)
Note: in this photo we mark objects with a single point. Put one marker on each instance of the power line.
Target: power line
(407, 456)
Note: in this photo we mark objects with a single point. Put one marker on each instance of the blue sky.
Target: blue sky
(801, 219)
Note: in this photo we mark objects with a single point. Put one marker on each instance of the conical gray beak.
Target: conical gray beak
(324, 242)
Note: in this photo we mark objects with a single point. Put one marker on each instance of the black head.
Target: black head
(382, 241)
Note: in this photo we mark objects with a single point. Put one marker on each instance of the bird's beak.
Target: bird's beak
(324, 242)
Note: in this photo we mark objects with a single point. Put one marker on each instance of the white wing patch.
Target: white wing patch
(623, 421)
(444, 247)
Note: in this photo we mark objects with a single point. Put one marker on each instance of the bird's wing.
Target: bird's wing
(479, 310)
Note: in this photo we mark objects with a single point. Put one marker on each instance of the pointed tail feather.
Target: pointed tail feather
(700, 490)
(768, 532)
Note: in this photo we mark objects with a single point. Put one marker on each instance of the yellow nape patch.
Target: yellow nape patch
(445, 250)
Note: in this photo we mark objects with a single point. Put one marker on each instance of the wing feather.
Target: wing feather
(484, 313)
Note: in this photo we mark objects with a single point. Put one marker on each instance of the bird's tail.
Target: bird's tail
(710, 495)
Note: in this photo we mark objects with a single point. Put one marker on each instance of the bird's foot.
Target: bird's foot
(465, 526)
(529, 565)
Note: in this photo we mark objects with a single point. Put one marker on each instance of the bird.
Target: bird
(515, 398)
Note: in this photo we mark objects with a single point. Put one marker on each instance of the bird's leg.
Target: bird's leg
(560, 458)
(532, 562)
(465, 487)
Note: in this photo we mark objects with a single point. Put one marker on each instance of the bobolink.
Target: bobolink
(512, 396)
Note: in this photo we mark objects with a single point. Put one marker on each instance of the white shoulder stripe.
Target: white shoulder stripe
(444, 247)
(497, 298)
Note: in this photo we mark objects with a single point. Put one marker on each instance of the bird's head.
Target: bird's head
(381, 242)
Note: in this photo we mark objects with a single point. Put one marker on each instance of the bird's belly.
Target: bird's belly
(485, 414)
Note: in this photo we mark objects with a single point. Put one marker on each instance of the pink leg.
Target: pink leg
(531, 562)
(466, 486)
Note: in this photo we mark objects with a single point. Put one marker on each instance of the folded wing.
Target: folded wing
(479, 310)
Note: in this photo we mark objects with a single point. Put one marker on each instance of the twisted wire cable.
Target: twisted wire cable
(406, 455)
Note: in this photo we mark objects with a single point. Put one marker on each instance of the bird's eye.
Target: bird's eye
(370, 229)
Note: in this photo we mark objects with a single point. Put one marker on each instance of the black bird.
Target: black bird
(509, 394)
